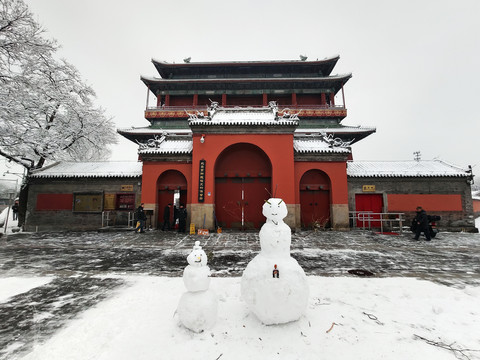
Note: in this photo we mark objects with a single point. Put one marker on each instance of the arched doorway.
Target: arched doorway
(315, 199)
(172, 189)
(243, 176)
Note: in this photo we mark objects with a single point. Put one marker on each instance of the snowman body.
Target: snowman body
(274, 285)
(197, 309)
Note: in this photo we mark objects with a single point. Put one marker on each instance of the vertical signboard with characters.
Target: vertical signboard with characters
(201, 181)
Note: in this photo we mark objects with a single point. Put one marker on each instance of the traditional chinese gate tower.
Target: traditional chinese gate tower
(224, 136)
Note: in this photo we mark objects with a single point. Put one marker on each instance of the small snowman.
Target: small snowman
(274, 285)
(197, 308)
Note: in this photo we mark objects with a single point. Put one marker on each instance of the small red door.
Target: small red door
(369, 203)
(315, 208)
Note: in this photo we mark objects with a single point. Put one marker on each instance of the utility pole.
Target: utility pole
(417, 155)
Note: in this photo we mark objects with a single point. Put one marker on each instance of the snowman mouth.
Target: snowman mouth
(275, 222)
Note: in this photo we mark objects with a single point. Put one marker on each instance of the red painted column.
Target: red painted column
(294, 99)
(195, 100)
(332, 99)
(167, 100)
(323, 99)
(159, 100)
(265, 99)
(224, 99)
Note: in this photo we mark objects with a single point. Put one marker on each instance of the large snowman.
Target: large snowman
(197, 308)
(273, 285)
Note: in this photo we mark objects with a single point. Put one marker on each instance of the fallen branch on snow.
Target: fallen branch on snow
(331, 327)
(459, 353)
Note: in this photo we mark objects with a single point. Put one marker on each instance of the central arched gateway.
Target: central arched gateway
(171, 189)
(315, 199)
(243, 176)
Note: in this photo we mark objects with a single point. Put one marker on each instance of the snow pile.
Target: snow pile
(12, 225)
(372, 319)
(274, 285)
(12, 286)
(197, 309)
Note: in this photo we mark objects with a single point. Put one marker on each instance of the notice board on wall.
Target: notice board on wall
(109, 202)
(87, 202)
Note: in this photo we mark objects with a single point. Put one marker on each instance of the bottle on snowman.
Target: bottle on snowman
(197, 309)
(274, 299)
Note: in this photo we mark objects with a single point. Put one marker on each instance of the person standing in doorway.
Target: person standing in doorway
(166, 217)
(421, 222)
(182, 218)
(15, 210)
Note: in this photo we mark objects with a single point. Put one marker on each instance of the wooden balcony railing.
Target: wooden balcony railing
(153, 112)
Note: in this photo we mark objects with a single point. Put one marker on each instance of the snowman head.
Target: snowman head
(197, 257)
(275, 210)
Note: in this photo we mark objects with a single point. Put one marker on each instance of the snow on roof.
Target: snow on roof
(169, 147)
(422, 168)
(317, 146)
(252, 62)
(343, 129)
(244, 116)
(239, 79)
(150, 130)
(90, 169)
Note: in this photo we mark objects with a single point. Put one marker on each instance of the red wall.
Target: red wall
(152, 171)
(308, 99)
(181, 101)
(278, 148)
(336, 171)
(476, 206)
(430, 202)
(54, 202)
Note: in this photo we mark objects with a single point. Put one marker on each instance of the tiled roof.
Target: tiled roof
(244, 116)
(342, 129)
(317, 146)
(90, 169)
(422, 168)
(153, 131)
(170, 147)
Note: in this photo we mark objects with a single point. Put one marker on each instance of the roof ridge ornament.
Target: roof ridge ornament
(212, 109)
(287, 115)
(155, 142)
(335, 142)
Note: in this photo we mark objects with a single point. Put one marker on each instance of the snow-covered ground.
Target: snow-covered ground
(347, 318)
(84, 313)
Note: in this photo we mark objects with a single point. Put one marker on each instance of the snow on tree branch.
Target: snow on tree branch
(47, 112)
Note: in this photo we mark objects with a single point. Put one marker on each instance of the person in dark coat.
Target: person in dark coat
(141, 218)
(166, 217)
(15, 210)
(182, 218)
(421, 221)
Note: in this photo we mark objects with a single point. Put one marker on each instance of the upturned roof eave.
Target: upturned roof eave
(163, 67)
(147, 80)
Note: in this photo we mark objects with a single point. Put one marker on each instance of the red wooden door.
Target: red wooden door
(315, 208)
(372, 203)
(228, 195)
(256, 191)
(239, 202)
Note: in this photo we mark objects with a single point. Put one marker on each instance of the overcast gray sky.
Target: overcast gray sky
(415, 64)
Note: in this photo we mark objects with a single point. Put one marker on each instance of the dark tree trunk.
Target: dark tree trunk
(22, 202)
